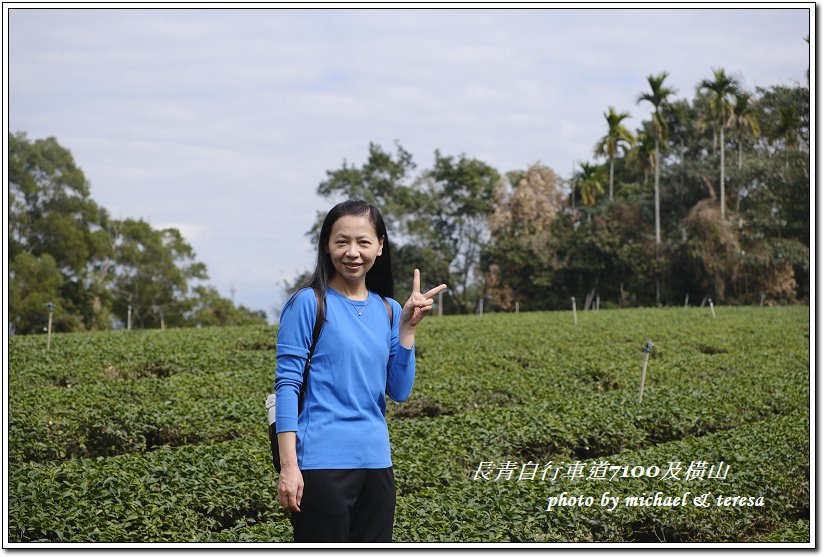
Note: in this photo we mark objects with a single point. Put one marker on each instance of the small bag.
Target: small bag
(271, 401)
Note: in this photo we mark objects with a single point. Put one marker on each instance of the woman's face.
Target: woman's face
(353, 247)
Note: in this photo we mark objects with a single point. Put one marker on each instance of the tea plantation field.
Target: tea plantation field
(521, 428)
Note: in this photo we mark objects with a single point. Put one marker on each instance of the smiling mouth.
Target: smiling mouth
(352, 265)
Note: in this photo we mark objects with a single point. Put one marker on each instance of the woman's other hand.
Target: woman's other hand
(290, 488)
(290, 480)
(416, 308)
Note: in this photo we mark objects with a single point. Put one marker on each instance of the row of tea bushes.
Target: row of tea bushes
(226, 492)
(159, 436)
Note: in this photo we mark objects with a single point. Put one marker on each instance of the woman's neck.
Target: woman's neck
(355, 291)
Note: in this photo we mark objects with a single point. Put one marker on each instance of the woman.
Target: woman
(336, 473)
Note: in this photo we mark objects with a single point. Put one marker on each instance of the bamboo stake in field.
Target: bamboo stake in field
(762, 301)
(647, 350)
(712, 308)
(517, 307)
(687, 300)
(574, 312)
(440, 303)
(50, 306)
(129, 319)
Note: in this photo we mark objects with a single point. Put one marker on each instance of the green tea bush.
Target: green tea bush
(159, 436)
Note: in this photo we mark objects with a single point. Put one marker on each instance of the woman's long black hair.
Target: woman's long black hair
(378, 279)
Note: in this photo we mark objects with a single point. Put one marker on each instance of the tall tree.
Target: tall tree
(51, 212)
(383, 180)
(618, 138)
(642, 156)
(589, 182)
(519, 263)
(453, 221)
(65, 249)
(745, 124)
(658, 97)
(743, 121)
(723, 90)
(788, 131)
(783, 192)
(153, 270)
(34, 282)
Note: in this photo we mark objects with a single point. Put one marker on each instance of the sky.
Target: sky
(222, 123)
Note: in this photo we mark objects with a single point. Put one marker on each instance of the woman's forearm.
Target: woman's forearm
(287, 449)
(406, 336)
(290, 479)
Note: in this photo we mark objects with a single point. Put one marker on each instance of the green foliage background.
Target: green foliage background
(98, 272)
(160, 436)
(529, 237)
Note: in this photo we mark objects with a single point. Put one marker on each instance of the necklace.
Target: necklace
(362, 305)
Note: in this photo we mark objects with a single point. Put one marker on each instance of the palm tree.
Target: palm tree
(642, 155)
(789, 124)
(680, 124)
(744, 122)
(587, 180)
(590, 183)
(658, 97)
(723, 90)
(617, 137)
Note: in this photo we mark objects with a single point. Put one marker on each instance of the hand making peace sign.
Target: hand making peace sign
(418, 305)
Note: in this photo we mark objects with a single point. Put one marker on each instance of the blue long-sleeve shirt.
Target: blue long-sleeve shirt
(357, 361)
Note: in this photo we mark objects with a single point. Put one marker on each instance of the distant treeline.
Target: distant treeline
(98, 272)
(710, 198)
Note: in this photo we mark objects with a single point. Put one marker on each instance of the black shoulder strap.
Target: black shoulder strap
(389, 311)
(319, 318)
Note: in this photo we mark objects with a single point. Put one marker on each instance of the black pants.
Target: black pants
(346, 506)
